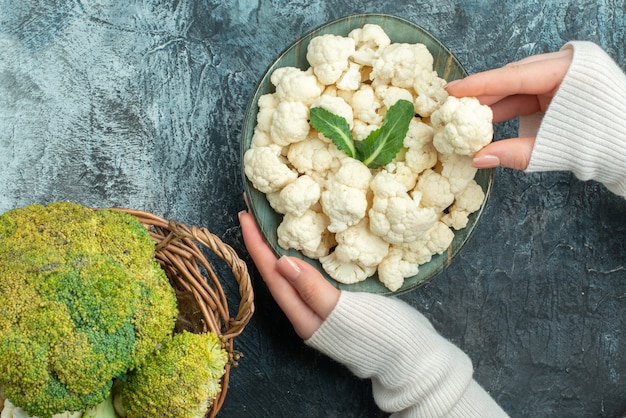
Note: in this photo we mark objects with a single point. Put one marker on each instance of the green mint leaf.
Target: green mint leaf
(382, 145)
(335, 128)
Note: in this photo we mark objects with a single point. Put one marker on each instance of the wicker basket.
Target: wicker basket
(194, 279)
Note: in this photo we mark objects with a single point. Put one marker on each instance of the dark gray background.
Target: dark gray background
(140, 104)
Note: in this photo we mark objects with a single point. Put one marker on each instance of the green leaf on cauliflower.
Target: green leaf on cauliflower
(380, 147)
(383, 144)
(335, 128)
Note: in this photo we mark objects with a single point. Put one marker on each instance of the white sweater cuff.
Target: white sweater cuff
(414, 370)
(584, 128)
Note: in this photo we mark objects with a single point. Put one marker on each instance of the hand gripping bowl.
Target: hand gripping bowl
(447, 67)
(200, 292)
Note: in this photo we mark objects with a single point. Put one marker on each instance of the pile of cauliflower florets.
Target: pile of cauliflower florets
(357, 220)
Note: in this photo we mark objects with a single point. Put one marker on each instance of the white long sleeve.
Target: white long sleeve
(415, 372)
(584, 128)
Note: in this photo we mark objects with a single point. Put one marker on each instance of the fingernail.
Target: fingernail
(451, 83)
(486, 161)
(288, 268)
(243, 212)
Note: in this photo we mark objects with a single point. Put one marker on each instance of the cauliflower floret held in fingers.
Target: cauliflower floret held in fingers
(462, 126)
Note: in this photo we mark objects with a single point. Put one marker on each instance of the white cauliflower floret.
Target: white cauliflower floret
(357, 244)
(462, 126)
(435, 190)
(439, 238)
(314, 155)
(393, 269)
(267, 169)
(420, 152)
(401, 64)
(403, 174)
(466, 203)
(458, 169)
(361, 130)
(336, 105)
(351, 79)
(436, 240)
(369, 41)
(306, 233)
(394, 215)
(267, 104)
(345, 198)
(290, 123)
(260, 138)
(300, 195)
(365, 105)
(276, 202)
(293, 84)
(389, 95)
(430, 93)
(328, 55)
(346, 273)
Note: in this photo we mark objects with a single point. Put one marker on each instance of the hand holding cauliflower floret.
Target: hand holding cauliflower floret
(361, 220)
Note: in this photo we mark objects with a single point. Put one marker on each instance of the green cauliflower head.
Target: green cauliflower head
(180, 379)
(82, 301)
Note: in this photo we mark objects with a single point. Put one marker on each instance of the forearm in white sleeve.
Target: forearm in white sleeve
(415, 372)
(584, 128)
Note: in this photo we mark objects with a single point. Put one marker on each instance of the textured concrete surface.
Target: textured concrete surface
(140, 104)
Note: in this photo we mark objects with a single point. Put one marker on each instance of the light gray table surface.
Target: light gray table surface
(140, 104)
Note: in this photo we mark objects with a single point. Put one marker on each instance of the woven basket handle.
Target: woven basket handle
(240, 271)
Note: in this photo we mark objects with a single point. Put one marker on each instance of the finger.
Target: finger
(256, 245)
(512, 153)
(303, 318)
(538, 75)
(513, 106)
(314, 290)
